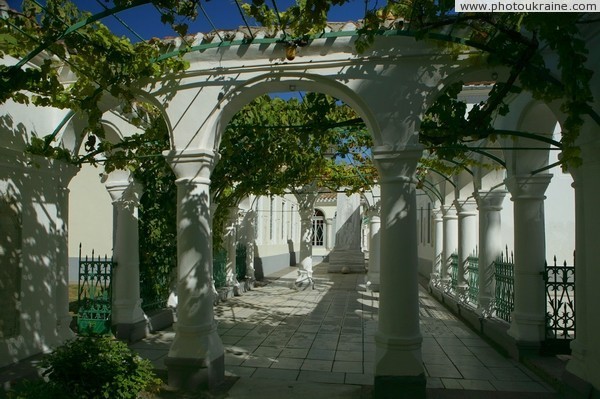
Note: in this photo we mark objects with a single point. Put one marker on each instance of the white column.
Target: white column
(528, 319)
(450, 224)
(585, 360)
(249, 221)
(64, 174)
(231, 243)
(196, 356)
(329, 238)
(489, 204)
(306, 201)
(398, 362)
(438, 246)
(374, 247)
(467, 243)
(127, 306)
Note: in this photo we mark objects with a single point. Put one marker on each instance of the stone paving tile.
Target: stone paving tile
(239, 371)
(321, 354)
(348, 367)
(434, 382)
(320, 376)
(349, 356)
(258, 362)
(451, 383)
(359, 379)
(519, 386)
(287, 363)
(481, 385)
(474, 372)
(234, 360)
(296, 353)
(328, 345)
(471, 342)
(430, 359)
(268, 351)
(229, 339)
(509, 374)
(445, 371)
(466, 360)
(317, 365)
(349, 346)
(277, 374)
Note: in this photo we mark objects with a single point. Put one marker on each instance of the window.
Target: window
(318, 234)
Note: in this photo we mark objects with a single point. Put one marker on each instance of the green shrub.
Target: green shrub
(91, 368)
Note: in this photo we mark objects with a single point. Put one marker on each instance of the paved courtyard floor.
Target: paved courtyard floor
(287, 342)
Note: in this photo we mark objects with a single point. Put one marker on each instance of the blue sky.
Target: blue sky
(224, 14)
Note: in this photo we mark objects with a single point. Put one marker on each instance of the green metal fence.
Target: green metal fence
(560, 306)
(94, 301)
(505, 286)
(473, 270)
(453, 271)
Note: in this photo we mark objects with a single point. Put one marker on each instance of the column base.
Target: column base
(131, 332)
(527, 349)
(63, 329)
(485, 307)
(399, 387)
(434, 279)
(462, 294)
(373, 281)
(527, 328)
(191, 374)
(373, 286)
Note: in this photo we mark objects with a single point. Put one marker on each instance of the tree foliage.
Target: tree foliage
(528, 44)
(273, 146)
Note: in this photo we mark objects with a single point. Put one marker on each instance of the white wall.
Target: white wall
(90, 217)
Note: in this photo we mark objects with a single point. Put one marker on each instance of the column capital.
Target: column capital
(192, 164)
(466, 207)
(528, 186)
(397, 164)
(449, 212)
(122, 188)
(490, 200)
(437, 213)
(374, 210)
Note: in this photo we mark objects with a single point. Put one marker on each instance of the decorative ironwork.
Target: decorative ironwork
(473, 270)
(94, 295)
(219, 264)
(505, 286)
(453, 271)
(560, 305)
(240, 261)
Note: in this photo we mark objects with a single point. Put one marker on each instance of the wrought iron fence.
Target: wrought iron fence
(94, 299)
(240, 261)
(473, 270)
(560, 305)
(505, 286)
(453, 271)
